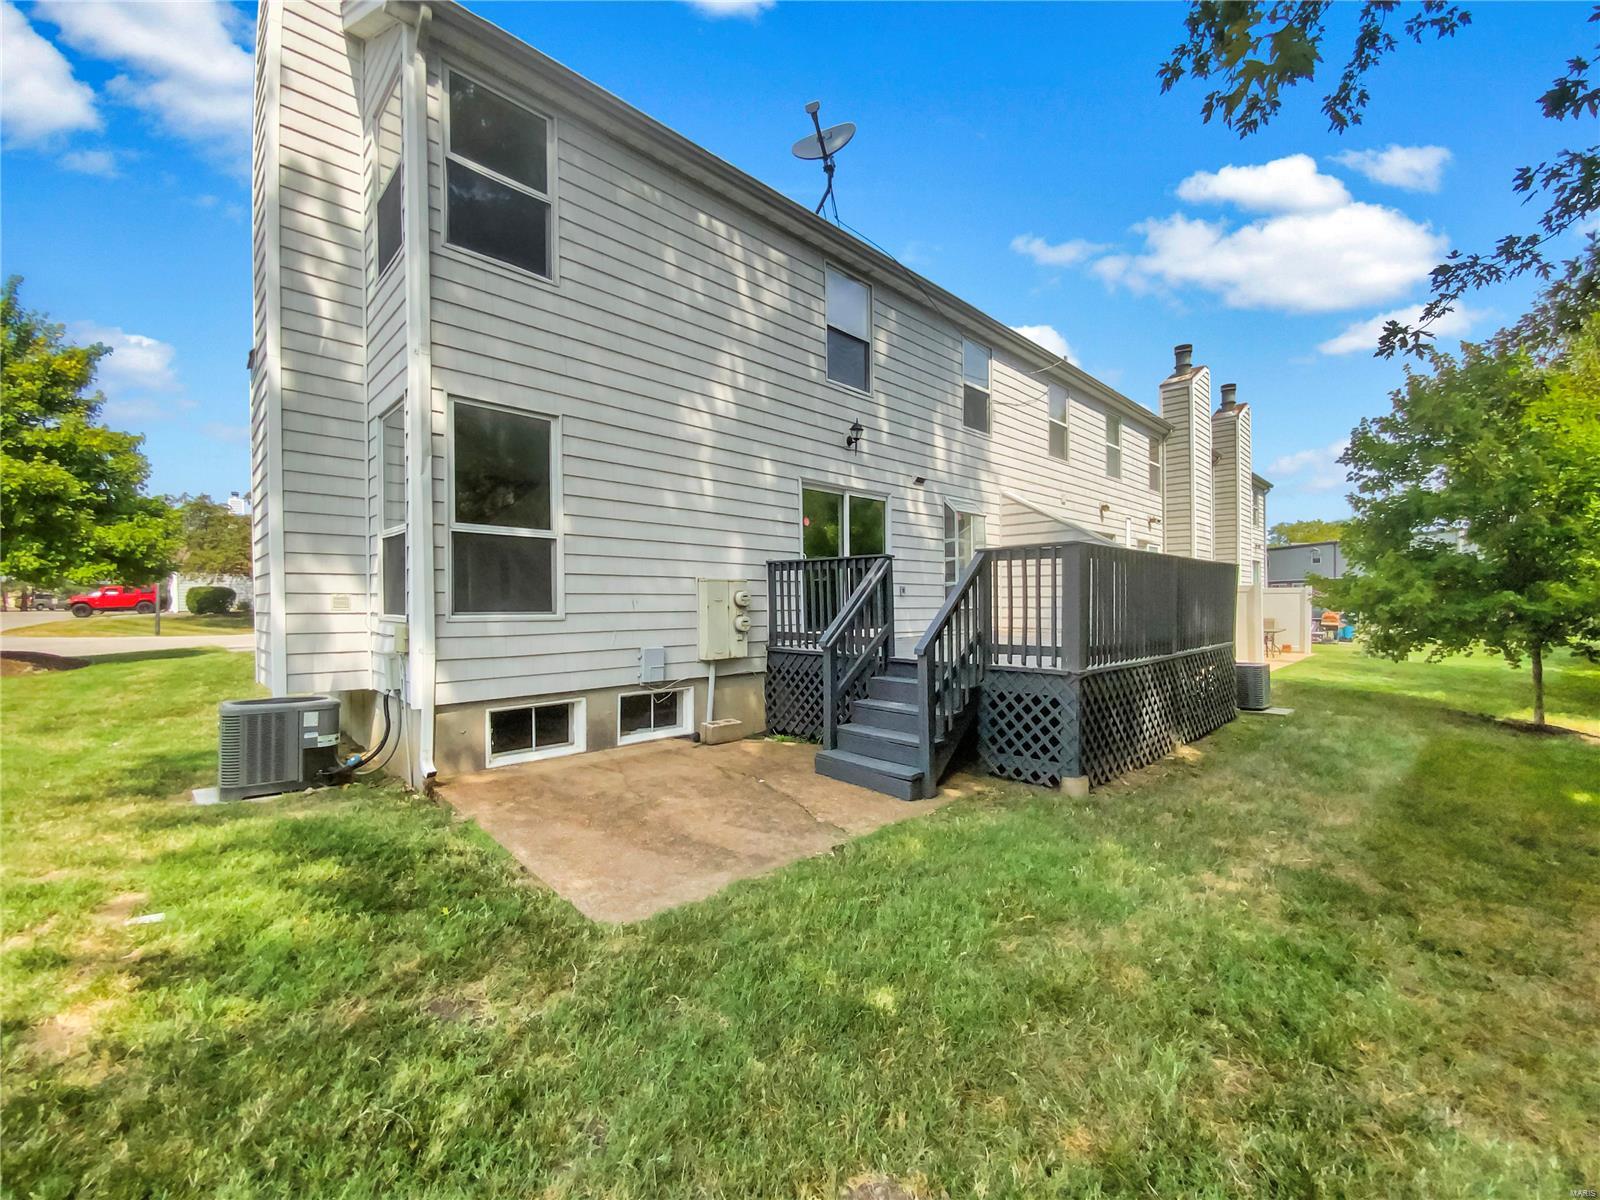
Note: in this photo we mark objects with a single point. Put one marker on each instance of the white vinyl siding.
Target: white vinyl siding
(680, 360)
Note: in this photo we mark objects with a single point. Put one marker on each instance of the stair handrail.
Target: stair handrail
(945, 684)
(863, 633)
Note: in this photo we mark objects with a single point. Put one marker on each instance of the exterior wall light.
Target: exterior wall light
(856, 431)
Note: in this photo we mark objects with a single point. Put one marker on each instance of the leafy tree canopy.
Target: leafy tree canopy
(72, 501)
(1506, 451)
(1250, 52)
(1314, 529)
(215, 541)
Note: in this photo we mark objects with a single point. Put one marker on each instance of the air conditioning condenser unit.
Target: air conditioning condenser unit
(279, 745)
(1254, 685)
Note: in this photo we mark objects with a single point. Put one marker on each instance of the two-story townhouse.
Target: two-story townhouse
(527, 365)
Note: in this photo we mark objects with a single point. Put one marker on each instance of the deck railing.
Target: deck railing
(951, 657)
(858, 641)
(1081, 606)
(805, 595)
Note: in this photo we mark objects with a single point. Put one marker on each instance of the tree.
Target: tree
(72, 502)
(1506, 452)
(1313, 529)
(1256, 50)
(215, 541)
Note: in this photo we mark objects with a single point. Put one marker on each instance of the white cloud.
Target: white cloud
(1050, 338)
(1414, 168)
(136, 363)
(1341, 258)
(1363, 335)
(1291, 184)
(182, 64)
(1054, 254)
(39, 98)
(91, 162)
(1314, 470)
(749, 10)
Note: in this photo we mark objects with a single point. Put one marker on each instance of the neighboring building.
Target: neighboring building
(1291, 565)
(527, 365)
(238, 505)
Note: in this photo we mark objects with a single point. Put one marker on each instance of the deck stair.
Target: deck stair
(878, 746)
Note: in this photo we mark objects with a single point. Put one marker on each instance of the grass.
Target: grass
(134, 625)
(1351, 952)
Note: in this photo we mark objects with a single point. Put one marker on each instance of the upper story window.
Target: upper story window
(392, 512)
(497, 176)
(1059, 408)
(502, 511)
(1154, 444)
(849, 305)
(1113, 447)
(975, 372)
(386, 137)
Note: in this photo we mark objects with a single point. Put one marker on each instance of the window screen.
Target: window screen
(1058, 421)
(1155, 463)
(1113, 447)
(497, 177)
(975, 369)
(502, 541)
(392, 556)
(390, 205)
(849, 315)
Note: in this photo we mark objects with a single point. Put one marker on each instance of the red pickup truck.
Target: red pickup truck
(113, 598)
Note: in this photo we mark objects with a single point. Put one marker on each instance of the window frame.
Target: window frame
(578, 743)
(683, 728)
(512, 96)
(385, 530)
(1154, 455)
(971, 513)
(391, 91)
(1052, 423)
(872, 374)
(558, 578)
(844, 492)
(987, 389)
(1113, 445)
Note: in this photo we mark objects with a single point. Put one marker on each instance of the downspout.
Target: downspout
(421, 670)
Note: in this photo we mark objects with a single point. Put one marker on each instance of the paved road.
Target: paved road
(16, 620)
(96, 647)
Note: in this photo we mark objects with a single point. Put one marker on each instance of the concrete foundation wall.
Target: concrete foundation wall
(459, 729)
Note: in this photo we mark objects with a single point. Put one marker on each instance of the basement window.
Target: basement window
(1113, 447)
(849, 315)
(643, 716)
(532, 731)
(497, 177)
(976, 363)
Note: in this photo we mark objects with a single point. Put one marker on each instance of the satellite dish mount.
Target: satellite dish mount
(824, 144)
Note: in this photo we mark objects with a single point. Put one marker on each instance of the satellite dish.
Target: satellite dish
(827, 142)
(824, 144)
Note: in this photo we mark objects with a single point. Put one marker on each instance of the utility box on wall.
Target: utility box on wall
(724, 619)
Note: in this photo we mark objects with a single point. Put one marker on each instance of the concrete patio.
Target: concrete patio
(624, 834)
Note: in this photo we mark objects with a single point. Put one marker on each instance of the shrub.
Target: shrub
(202, 600)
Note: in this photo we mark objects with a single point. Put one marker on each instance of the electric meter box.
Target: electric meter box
(724, 619)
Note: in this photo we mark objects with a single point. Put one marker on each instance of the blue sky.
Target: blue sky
(1019, 154)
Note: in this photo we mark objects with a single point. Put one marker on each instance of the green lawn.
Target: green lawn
(1352, 952)
(134, 625)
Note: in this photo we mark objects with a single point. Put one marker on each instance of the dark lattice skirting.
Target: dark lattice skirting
(1028, 725)
(794, 693)
(1133, 716)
